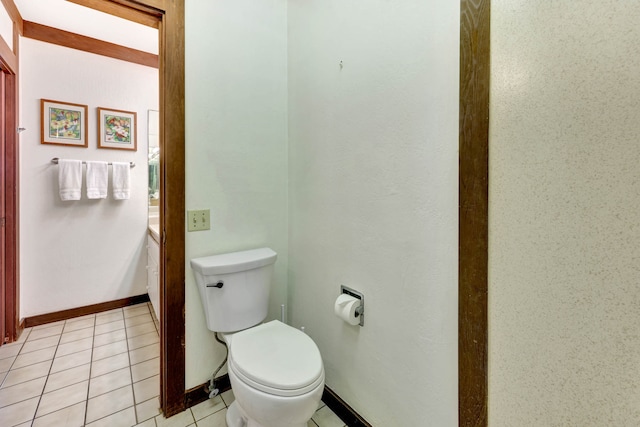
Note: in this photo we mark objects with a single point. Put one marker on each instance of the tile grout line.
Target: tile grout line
(133, 392)
(33, 419)
(93, 340)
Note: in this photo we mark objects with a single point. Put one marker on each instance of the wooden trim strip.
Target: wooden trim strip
(8, 59)
(473, 213)
(199, 394)
(342, 409)
(14, 14)
(130, 13)
(52, 35)
(83, 311)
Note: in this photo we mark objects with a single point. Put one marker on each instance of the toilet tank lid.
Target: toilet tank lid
(234, 262)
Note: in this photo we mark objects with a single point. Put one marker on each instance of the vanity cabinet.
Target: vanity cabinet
(153, 274)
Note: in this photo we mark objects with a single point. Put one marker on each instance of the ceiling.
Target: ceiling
(78, 19)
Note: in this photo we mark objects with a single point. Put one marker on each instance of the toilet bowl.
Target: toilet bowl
(275, 370)
(276, 375)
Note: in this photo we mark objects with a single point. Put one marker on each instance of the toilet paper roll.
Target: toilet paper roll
(345, 308)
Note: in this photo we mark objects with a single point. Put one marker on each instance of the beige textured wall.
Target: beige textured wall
(564, 304)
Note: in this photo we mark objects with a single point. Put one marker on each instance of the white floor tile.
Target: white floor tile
(108, 350)
(109, 327)
(145, 369)
(85, 323)
(138, 320)
(109, 364)
(109, 403)
(20, 375)
(33, 357)
(228, 397)
(109, 337)
(19, 413)
(324, 417)
(109, 382)
(141, 329)
(67, 377)
(47, 331)
(148, 409)
(5, 364)
(70, 361)
(71, 416)
(22, 391)
(135, 310)
(40, 344)
(125, 418)
(109, 317)
(76, 335)
(182, 419)
(146, 389)
(10, 350)
(208, 407)
(143, 340)
(218, 419)
(148, 423)
(144, 353)
(62, 398)
(74, 347)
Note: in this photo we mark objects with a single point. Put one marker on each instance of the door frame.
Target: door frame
(473, 212)
(10, 168)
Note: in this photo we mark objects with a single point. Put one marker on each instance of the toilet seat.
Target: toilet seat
(276, 359)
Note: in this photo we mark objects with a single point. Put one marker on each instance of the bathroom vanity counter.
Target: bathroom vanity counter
(154, 232)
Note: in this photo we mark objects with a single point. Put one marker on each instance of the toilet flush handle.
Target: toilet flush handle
(217, 285)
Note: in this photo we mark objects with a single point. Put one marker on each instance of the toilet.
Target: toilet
(275, 370)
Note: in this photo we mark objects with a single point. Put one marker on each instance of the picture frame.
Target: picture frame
(63, 123)
(117, 129)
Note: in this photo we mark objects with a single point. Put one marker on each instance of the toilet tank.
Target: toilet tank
(234, 288)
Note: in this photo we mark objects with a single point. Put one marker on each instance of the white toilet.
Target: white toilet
(275, 370)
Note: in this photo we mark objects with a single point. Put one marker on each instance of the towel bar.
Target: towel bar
(55, 160)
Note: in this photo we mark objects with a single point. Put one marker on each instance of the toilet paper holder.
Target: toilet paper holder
(352, 292)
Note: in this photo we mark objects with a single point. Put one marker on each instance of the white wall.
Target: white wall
(89, 251)
(236, 147)
(373, 200)
(564, 198)
(6, 27)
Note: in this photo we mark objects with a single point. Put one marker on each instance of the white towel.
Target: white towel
(97, 178)
(120, 180)
(70, 179)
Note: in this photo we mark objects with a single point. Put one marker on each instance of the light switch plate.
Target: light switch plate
(198, 220)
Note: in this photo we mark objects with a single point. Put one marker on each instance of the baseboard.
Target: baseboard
(199, 393)
(339, 407)
(83, 311)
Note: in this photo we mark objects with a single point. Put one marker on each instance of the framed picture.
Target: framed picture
(63, 123)
(117, 129)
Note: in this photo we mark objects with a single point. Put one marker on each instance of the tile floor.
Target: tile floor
(99, 370)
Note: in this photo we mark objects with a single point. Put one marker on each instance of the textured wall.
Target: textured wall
(373, 200)
(236, 148)
(564, 214)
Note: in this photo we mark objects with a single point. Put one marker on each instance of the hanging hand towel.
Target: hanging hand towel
(70, 179)
(120, 180)
(97, 177)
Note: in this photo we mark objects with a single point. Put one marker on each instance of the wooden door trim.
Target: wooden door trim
(473, 213)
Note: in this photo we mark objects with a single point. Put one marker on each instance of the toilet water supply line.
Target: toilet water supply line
(211, 388)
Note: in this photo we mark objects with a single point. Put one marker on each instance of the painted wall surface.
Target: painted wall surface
(373, 135)
(236, 148)
(564, 197)
(88, 251)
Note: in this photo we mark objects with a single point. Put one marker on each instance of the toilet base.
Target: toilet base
(237, 418)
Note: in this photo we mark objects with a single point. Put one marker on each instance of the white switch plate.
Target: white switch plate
(198, 220)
